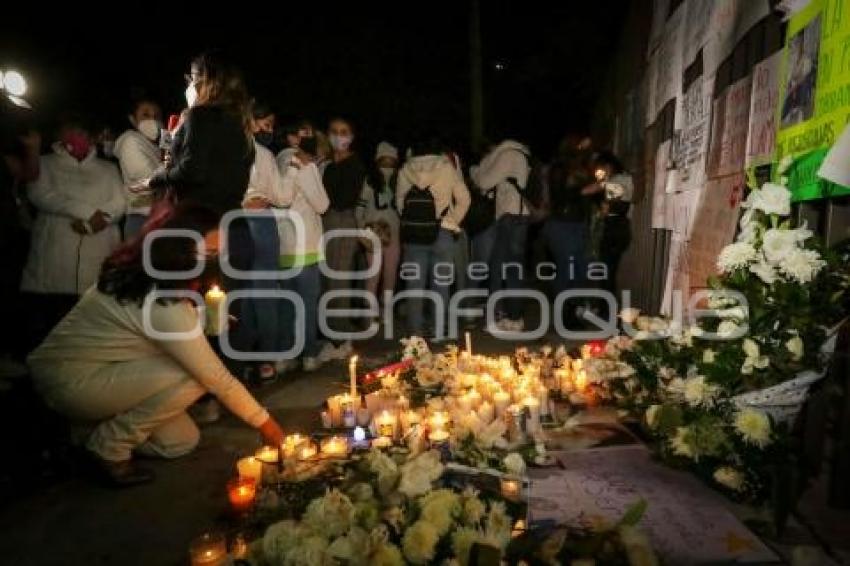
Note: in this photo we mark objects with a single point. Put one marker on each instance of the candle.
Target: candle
(307, 451)
(352, 374)
(335, 447)
(382, 442)
(250, 468)
(241, 493)
(267, 455)
(474, 398)
(468, 343)
(464, 403)
(291, 444)
(501, 400)
(386, 424)
(543, 393)
(511, 488)
(486, 412)
(335, 410)
(586, 352)
(533, 406)
(438, 436)
(469, 379)
(409, 420)
(439, 420)
(363, 417)
(216, 316)
(239, 548)
(581, 381)
(209, 549)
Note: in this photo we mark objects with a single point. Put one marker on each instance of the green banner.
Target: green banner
(814, 94)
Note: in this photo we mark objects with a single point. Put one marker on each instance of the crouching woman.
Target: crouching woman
(102, 365)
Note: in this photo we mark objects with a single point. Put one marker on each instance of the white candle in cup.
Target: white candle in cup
(268, 455)
(335, 410)
(382, 442)
(214, 300)
(533, 406)
(335, 447)
(438, 436)
(250, 467)
(511, 488)
(468, 337)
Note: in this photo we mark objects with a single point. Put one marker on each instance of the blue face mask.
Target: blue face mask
(265, 139)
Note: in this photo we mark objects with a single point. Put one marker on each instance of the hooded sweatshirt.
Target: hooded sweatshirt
(437, 174)
(506, 161)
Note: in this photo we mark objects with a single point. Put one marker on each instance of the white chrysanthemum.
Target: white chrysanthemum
(514, 464)
(331, 514)
(498, 524)
(795, 346)
(652, 414)
(802, 265)
(727, 329)
(735, 256)
(753, 426)
(418, 474)
(680, 443)
(699, 393)
(281, 537)
(764, 271)
(386, 554)
(312, 551)
(419, 543)
(463, 540)
(754, 359)
(629, 315)
(729, 477)
(770, 199)
(491, 433)
(473, 509)
(439, 508)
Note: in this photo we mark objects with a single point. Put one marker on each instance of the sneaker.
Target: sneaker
(312, 364)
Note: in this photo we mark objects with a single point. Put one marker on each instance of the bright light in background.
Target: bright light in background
(14, 83)
(499, 66)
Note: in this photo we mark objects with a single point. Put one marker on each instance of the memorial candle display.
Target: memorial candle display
(386, 424)
(216, 319)
(250, 468)
(306, 451)
(241, 492)
(335, 447)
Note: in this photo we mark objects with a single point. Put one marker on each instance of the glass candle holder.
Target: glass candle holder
(242, 492)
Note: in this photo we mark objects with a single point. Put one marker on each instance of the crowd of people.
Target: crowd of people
(104, 355)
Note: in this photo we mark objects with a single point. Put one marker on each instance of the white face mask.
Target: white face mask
(340, 143)
(387, 172)
(149, 128)
(191, 94)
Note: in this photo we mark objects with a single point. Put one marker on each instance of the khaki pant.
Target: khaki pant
(137, 405)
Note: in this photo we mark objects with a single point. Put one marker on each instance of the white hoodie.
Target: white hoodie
(303, 193)
(138, 158)
(60, 260)
(504, 162)
(438, 174)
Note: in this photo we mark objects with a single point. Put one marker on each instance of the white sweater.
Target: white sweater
(138, 158)
(504, 162)
(60, 260)
(99, 331)
(439, 175)
(303, 193)
(265, 181)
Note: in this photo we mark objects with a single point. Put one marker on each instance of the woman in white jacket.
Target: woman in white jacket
(430, 170)
(79, 200)
(139, 156)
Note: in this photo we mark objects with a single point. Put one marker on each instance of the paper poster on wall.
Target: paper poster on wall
(659, 192)
(668, 72)
(814, 93)
(717, 218)
(697, 19)
(733, 141)
(660, 8)
(761, 138)
(718, 123)
(692, 139)
(730, 20)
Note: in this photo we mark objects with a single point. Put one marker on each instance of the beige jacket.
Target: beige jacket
(436, 173)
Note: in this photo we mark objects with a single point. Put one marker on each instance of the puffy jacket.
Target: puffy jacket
(438, 174)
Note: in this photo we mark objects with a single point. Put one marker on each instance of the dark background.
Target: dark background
(396, 68)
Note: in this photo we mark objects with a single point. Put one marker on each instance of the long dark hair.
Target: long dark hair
(123, 274)
(221, 84)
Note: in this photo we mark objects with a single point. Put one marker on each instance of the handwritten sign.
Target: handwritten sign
(761, 139)
(733, 141)
(692, 140)
(717, 219)
(686, 522)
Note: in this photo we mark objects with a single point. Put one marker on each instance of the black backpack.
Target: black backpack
(534, 193)
(482, 211)
(419, 221)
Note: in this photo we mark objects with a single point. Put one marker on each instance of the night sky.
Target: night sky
(395, 73)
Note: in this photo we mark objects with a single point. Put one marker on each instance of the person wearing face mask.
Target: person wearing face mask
(264, 123)
(376, 211)
(79, 200)
(139, 157)
(343, 178)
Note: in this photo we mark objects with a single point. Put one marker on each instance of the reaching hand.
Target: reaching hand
(272, 433)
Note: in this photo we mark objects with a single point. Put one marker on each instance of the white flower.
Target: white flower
(753, 426)
(802, 265)
(764, 271)
(473, 509)
(419, 542)
(729, 477)
(708, 356)
(281, 538)
(418, 474)
(754, 359)
(491, 434)
(770, 199)
(735, 256)
(699, 393)
(514, 464)
(727, 329)
(311, 551)
(777, 244)
(680, 443)
(332, 514)
(414, 348)
(498, 524)
(795, 346)
(439, 507)
(629, 315)
(719, 300)
(463, 540)
(651, 415)
(736, 313)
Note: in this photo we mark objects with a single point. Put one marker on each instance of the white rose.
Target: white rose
(729, 477)
(770, 199)
(514, 464)
(777, 244)
(795, 346)
(735, 256)
(802, 265)
(629, 315)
